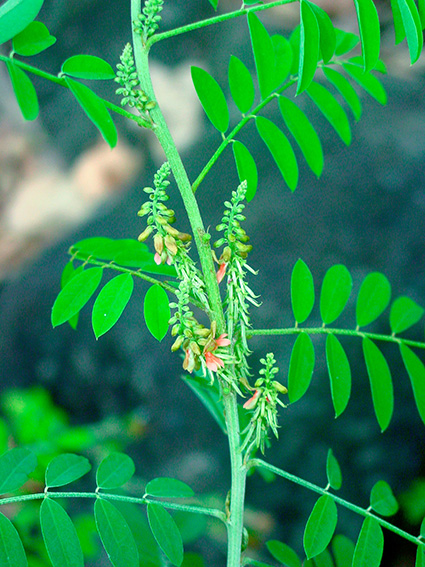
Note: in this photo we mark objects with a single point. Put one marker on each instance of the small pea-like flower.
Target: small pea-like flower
(221, 272)
(222, 341)
(189, 361)
(252, 402)
(213, 362)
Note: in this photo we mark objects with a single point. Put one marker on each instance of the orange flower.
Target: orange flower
(213, 361)
(221, 272)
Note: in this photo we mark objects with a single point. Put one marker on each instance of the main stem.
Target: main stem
(201, 238)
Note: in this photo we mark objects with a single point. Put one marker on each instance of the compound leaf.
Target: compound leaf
(367, 81)
(336, 289)
(241, 84)
(346, 90)
(95, 109)
(15, 466)
(339, 374)
(24, 90)
(320, 526)
(115, 470)
(75, 295)
(416, 372)
(382, 499)
(12, 553)
(168, 488)
(157, 311)
(332, 110)
(246, 167)
(115, 535)
(281, 150)
(15, 15)
(301, 367)
(309, 46)
(60, 536)
(87, 67)
(166, 533)
(404, 313)
(264, 56)
(333, 471)
(370, 545)
(66, 468)
(302, 291)
(343, 550)
(380, 383)
(283, 553)
(367, 17)
(373, 298)
(212, 98)
(304, 133)
(34, 39)
(110, 303)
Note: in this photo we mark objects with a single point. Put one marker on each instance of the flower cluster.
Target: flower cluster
(148, 21)
(263, 403)
(127, 77)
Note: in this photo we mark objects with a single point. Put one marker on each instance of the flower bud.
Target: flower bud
(177, 343)
(170, 244)
(227, 253)
(171, 230)
(194, 348)
(184, 237)
(252, 402)
(279, 387)
(145, 234)
(158, 243)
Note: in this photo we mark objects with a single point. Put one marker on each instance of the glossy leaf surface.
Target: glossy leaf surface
(382, 499)
(246, 167)
(15, 466)
(166, 533)
(283, 553)
(404, 313)
(87, 67)
(302, 291)
(400, 34)
(157, 311)
(304, 133)
(60, 535)
(346, 90)
(335, 292)
(367, 17)
(339, 374)
(66, 468)
(327, 33)
(95, 109)
(115, 535)
(332, 110)
(374, 296)
(115, 470)
(345, 42)
(367, 81)
(241, 84)
(343, 550)
(110, 303)
(333, 471)
(212, 98)
(309, 46)
(168, 488)
(263, 50)
(34, 39)
(15, 15)
(320, 526)
(412, 25)
(25, 93)
(370, 544)
(380, 383)
(75, 295)
(68, 273)
(416, 372)
(301, 367)
(12, 552)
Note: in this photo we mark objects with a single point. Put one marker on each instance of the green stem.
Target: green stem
(215, 20)
(329, 331)
(214, 512)
(60, 81)
(357, 509)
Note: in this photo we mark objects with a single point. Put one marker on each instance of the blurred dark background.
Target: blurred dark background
(366, 211)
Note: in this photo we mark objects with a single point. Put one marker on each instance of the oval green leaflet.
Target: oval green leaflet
(370, 33)
(15, 466)
(68, 273)
(34, 39)
(343, 550)
(115, 470)
(25, 93)
(301, 367)
(320, 526)
(367, 81)
(110, 303)
(166, 533)
(95, 109)
(335, 292)
(281, 150)
(420, 556)
(60, 536)
(345, 42)
(339, 374)
(116, 536)
(157, 311)
(212, 98)
(370, 544)
(241, 84)
(264, 55)
(382, 499)
(302, 291)
(381, 384)
(309, 46)
(333, 471)
(346, 90)
(15, 15)
(283, 58)
(331, 110)
(75, 295)
(374, 296)
(327, 33)
(304, 133)
(404, 313)
(246, 168)
(283, 553)
(12, 553)
(66, 468)
(411, 23)
(168, 488)
(87, 67)
(416, 372)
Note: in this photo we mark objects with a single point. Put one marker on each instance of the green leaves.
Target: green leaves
(370, 544)
(382, 499)
(95, 109)
(263, 50)
(373, 298)
(87, 67)
(283, 553)
(302, 291)
(24, 91)
(15, 466)
(346, 90)
(241, 84)
(166, 533)
(332, 110)
(320, 526)
(367, 17)
(408, 24)
(15, 15)
(212, 98)
(404, 313)
(416, 372)
(34, 39)
(60, 536)
(367, 81)
(336, 290)
(157, 311)
(380, 383)
(333, 471)
(339, 374)
(66, 468)
(12, 552)
(301, 367)
(246, 167)
(110, 303)
(168, 488)
(309, 46)
(115, 470)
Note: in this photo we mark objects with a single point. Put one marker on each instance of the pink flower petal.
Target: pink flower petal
(222, 341)
(157, 259)
(221, 272)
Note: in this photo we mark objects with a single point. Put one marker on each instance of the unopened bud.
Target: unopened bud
(145, 234)
(171, 230)
(150, 105)
(158, 243)
(252, 402)
(184, 237)
(245, 248)
(177, 343)
(194, 348)
(171, 245)
(227, 253)
(279, 387)
(160, 220)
